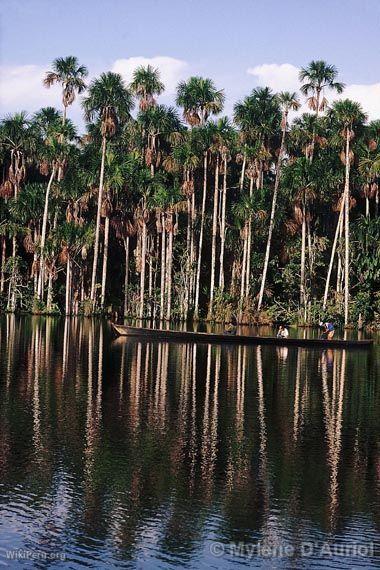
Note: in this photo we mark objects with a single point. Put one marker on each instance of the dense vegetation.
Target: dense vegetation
(181, 213)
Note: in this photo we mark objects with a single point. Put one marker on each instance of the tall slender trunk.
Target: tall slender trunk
(339, 268)
(242, 174)
(11, 304)
(199, 262)
(105, 261)
(142, 271)
(68, 286)
(249, 242)
(169, 269)
(347, 232)
(367, 207)
(49, 299)
(303, 258)
(273, 212)
(193, 251)
(339, 225)
(126, 275)
(223, 226)
(163, 265)
(97, 229)
(43, 236)
(150, 279)
(214, 234)
(314, 133)
(35, 265)
(3, 261)
(243, 275)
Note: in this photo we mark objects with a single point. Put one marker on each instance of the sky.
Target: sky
(240, 44)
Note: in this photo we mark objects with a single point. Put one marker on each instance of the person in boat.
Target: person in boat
(283, 332)
(328, 331)
(231, 327)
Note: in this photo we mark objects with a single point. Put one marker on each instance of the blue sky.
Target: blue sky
(240, 43)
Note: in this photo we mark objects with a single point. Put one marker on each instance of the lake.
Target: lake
(126, 454)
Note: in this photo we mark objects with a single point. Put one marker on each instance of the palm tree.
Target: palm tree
(288, 102)
(349, 117)
(71, 239)
(53, 157)
(109, 102)
(199, 99)
(205, 136)
(157, 123)
(185, 155)
(115, 181)
(145, 85)
(258, 117)
(17, 140)
(223, 138)
(70, 75)
(246, 211)
(316, 78)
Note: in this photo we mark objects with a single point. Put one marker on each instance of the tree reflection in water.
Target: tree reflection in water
(124, 449)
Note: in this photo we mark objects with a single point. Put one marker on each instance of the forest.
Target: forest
(182, 213)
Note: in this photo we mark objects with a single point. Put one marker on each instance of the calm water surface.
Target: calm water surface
(116, 453)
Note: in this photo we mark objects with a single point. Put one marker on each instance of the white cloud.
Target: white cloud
(367, 95)
(171, 70)
(22, 89)
(279, 77)
(284, 77)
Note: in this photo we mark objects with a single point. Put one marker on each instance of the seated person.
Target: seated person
(231, 327)
(328, 331)
(282, 332)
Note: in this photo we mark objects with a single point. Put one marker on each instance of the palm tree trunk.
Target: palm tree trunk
(347, 232)
(49, 300)
(249, 242)
(126, 275)
(43, 236)
(11, 304)
(339, 269)
(169, 270)
(303, 258)
(188, 258)
(339, 224)
(105, 261)
(68, 286)
(242, 174)
(97, 229)
(163, 265)
(3, 261)
(142, 272)
(199, 263)
(214, 234)
(35, 259)
(223, 227)
(150, 279)
(272, 214)
(193, 251)
(243, 276)
(314, 133)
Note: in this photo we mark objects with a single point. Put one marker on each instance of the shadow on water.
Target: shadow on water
(158, 455)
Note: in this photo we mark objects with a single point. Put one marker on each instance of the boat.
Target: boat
(204, 337)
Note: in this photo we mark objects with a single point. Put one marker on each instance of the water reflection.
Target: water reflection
(119, 450)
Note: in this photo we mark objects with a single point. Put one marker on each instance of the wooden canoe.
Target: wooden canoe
(188, 336)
